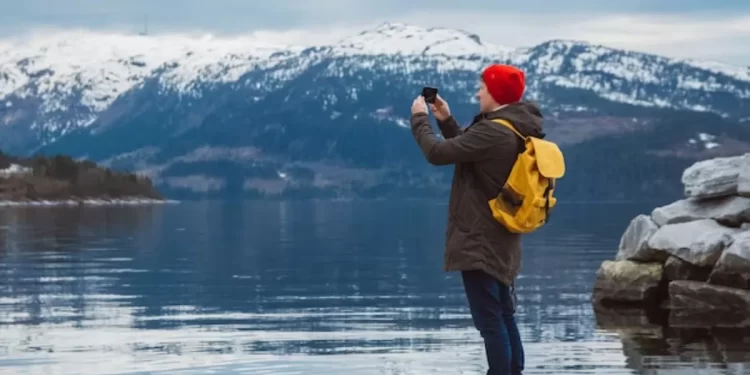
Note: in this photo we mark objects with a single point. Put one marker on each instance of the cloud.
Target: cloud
(722, 38)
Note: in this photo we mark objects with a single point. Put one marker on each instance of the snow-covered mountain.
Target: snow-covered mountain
(157, 100)
(64, 81)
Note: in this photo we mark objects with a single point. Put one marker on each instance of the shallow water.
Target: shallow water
(307, 288)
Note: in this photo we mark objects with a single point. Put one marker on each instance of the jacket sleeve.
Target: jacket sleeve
(449, 127)
(471, 146)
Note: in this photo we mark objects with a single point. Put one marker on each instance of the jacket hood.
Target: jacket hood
(525, 116)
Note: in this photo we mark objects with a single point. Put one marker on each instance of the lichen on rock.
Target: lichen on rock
(627, 281)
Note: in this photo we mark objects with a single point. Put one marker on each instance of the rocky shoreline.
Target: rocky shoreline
(690, 258)
(125, 201)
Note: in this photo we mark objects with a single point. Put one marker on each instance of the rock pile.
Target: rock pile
(691, 256)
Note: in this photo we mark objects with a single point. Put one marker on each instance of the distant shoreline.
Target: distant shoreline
(126, 201)
(61, 181)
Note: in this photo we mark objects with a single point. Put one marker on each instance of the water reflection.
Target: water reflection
(296, 287)
(655, 342)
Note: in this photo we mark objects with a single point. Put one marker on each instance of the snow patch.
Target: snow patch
(387, 114)
(403, 123)
(404, 39)
(705, 140)
(15, 169)
(733, 71)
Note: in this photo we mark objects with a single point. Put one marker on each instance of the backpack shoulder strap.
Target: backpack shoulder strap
(483, 185)
(508, 125)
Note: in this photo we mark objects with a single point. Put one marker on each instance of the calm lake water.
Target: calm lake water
(317, 288)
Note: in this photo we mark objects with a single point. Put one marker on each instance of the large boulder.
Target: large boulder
(700, 296)
(698, 242)
(634, 242)
(731, 211)
(628, 282)
(678, 269)
(743, 178)
(711, 178)
(733, 267)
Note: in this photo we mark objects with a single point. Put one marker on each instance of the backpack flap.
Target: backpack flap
(549, 158)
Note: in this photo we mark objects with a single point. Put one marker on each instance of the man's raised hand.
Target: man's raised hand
(440, 109)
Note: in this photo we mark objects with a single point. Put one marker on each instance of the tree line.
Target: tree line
(62, 177)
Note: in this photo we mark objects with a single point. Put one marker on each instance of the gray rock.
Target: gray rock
(678, 269)
(698, 242)
(634, 242)
(731, 210)
(743, 177)
(712, 178)
(733, 267)
(628, 282)
(700, 296)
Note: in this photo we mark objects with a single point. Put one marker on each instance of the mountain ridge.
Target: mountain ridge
(127, 60)
(220, 115)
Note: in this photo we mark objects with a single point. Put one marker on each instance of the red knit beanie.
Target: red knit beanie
(504, 83)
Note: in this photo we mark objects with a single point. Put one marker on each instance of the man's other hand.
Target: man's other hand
(440, 109)
(418, 106)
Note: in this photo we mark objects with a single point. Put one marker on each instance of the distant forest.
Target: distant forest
(60, 178)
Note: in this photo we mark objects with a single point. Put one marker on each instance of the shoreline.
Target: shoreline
(133, 201)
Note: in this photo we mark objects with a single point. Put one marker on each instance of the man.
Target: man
(487, 254)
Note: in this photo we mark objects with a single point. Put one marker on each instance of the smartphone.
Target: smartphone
(429, 94)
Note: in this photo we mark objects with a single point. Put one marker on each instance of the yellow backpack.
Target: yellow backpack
(526, 199)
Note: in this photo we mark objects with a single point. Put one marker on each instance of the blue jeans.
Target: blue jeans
(492, 306)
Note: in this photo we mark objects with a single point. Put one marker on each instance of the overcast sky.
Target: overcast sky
(707, 29)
